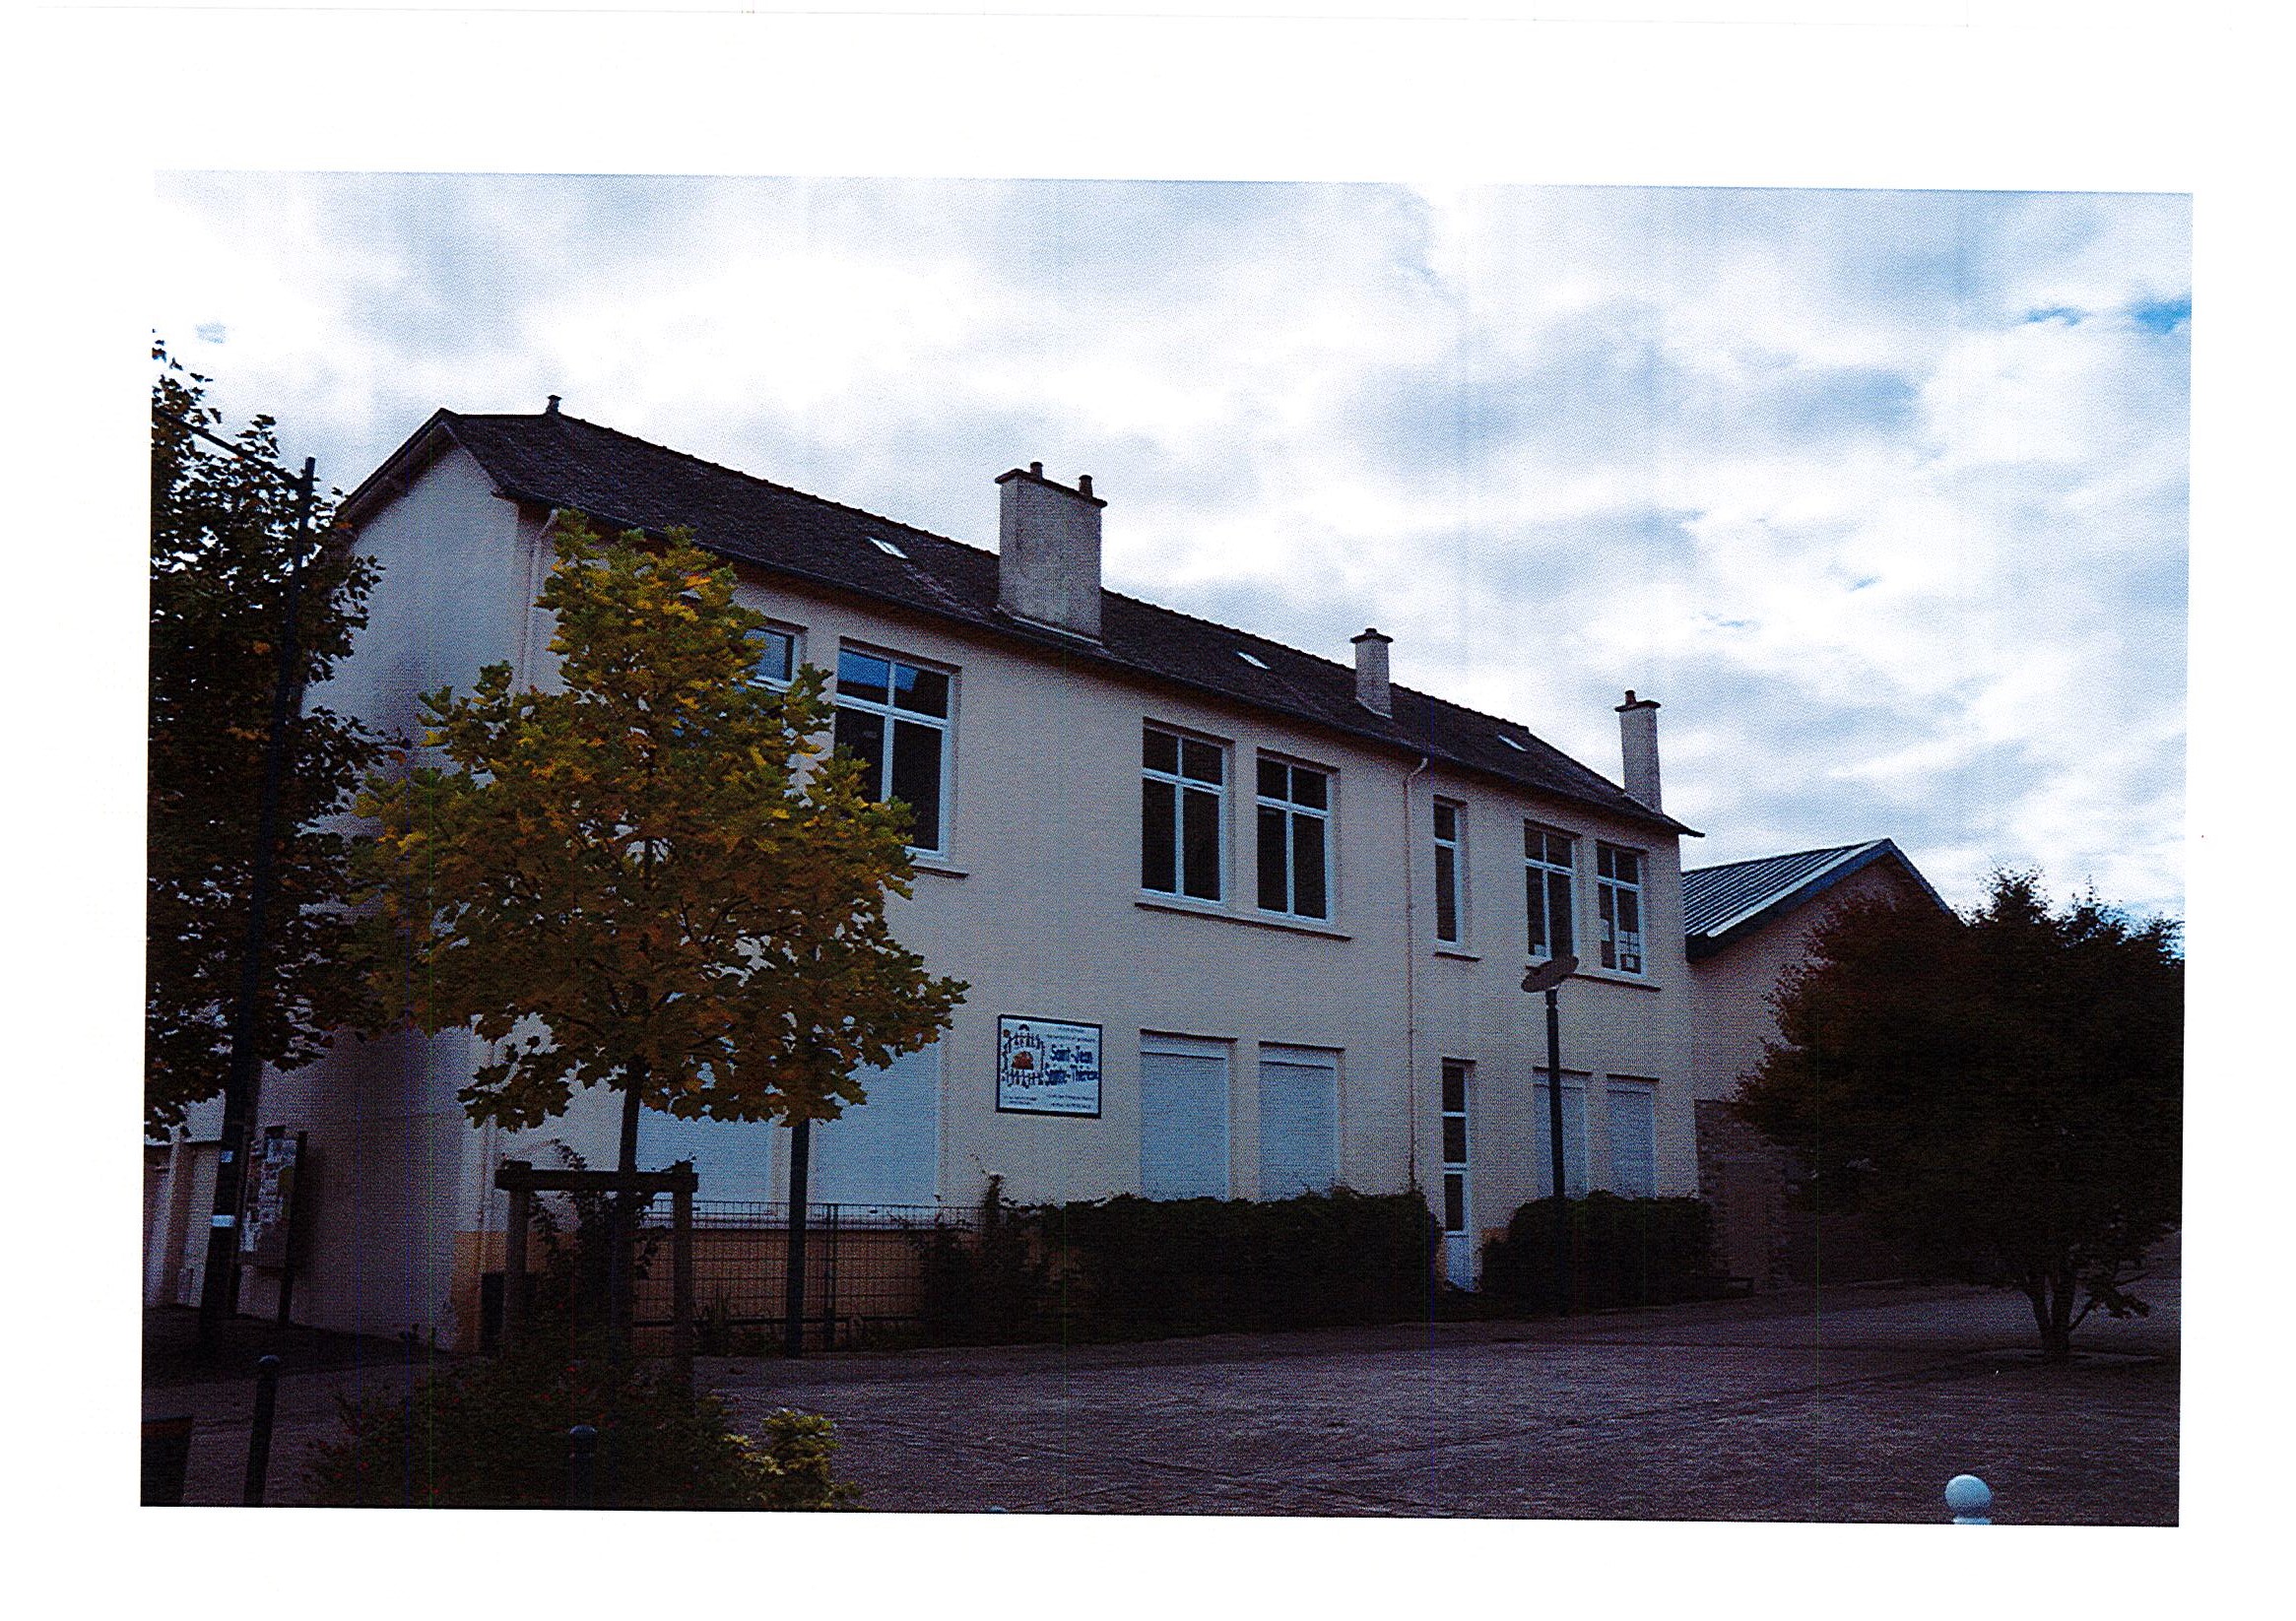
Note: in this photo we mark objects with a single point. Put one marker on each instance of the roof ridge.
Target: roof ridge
(1787, 855)
(720, 467)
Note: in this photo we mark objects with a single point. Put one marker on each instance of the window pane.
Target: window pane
(1535, 896)
(862, 735)
(1446, 820)
(1274, 780)
(1604, 909)
(1454, 1089)
(1454, 1204)
(1200, 761)
(1200, 841)
(1159, 751)
(1275, 892)
(926, 691)
(916, 779)
(1454, 1139)
(1307, 788)
(772, 653)
(1155, 836)
(1629, 867)
(1534, 844)
(1307, 864)
(1446, 892)
(861, 677)
(1558, 912)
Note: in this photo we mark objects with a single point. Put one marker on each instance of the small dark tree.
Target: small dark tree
(2000, 1094)
(223, 548)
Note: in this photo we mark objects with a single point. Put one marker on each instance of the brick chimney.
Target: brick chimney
(1372, 690)
(1048, 550)
(1638, 746)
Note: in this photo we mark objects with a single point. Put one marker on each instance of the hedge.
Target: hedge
(1626, 1252)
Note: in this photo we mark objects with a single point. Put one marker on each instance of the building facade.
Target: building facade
(1237, 921)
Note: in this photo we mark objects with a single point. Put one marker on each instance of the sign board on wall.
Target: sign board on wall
(1047, 1067)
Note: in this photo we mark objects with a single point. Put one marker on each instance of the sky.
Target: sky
(1881, 494)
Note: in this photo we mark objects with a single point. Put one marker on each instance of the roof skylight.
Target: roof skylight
(1518, 748)
(1250, 659)
(886, 547)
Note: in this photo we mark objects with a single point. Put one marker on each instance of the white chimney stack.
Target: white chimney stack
(1638, 744)
(1372, 690)
(1048, 552)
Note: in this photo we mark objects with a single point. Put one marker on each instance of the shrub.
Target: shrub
(1626, 1252)
(492, 1434)
(1146, 1267)
(988, 1288)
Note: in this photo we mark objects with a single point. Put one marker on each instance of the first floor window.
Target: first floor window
(1547, 891)
(1619, 902)
(1448, 841)
(775, 664)
(1295, 814)
(1182, 788)
(894, 717)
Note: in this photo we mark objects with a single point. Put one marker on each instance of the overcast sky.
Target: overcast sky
(1881, 494)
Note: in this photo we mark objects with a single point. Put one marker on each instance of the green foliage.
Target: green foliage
(1138, 1269)
(223, 550)
(2000, 1095)
(492, 1434)
(571, 1256)
(988, 1287)
(651, 879)
(1624, 1251)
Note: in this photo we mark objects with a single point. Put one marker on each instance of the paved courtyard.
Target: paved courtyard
(1856, 1406)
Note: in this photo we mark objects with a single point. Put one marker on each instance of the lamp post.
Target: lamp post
(1545, 976)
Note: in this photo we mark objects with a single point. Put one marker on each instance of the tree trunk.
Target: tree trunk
(619, 1292)
(2052, 1296)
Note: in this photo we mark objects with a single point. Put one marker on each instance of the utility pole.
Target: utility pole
(219, 1286)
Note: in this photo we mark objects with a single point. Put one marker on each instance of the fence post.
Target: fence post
(682, 1278)
(582, 1466)
(259, 1431)
(1970, 1499)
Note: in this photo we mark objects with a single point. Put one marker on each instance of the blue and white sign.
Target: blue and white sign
(1047, 1067)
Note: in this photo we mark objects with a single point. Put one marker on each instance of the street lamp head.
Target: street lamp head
(1545, 976)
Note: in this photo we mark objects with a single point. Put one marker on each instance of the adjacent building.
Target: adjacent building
(1238, 920)
(1748, 925)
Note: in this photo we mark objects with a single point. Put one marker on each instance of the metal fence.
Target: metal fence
(864, 1271)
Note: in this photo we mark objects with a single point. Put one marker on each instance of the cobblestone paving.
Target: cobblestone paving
(1768, 1409)
(1765, 1411)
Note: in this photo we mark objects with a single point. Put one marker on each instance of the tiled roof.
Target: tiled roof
(625, 483)
(1721, 904)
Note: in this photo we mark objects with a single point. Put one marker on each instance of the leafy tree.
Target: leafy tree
(223, 548)
(648, 879)
(2000, 1094)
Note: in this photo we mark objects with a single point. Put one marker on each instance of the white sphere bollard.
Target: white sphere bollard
(1970, 1499)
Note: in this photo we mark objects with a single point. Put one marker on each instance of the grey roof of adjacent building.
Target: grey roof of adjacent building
(554, 460)
(1725, 903)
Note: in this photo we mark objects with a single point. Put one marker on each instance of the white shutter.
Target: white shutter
(1299, 1121)
(887, 1150)
(1633, 1137)
(1182, 1120)
(1574, 1135)
(732, 1158)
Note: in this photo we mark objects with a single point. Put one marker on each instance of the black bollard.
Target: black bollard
(259, 1432)
(582, 1466)
(407, 1411)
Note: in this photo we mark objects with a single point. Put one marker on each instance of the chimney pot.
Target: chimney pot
(1083, 483)
(552, 409)
(1373, 690)
(1037, 470)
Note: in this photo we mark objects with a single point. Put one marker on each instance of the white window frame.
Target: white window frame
(1328, 1059)
(795, 636)
(1609, 951)
(1182, 785)
(1154, 1043)
(1292, 808)
(1613, 1087)
(1544, 950)
(893, 713)
(1456, 847)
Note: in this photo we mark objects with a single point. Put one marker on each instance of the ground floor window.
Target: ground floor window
(1574, 1135)
(1633, 1115)
(1299, 1121)
(1183, 1118)
(1458, 1217)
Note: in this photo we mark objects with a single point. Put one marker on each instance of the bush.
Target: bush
(1141, 1268)
(492, 1434)
(988, 1288)
(1626, 1252)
